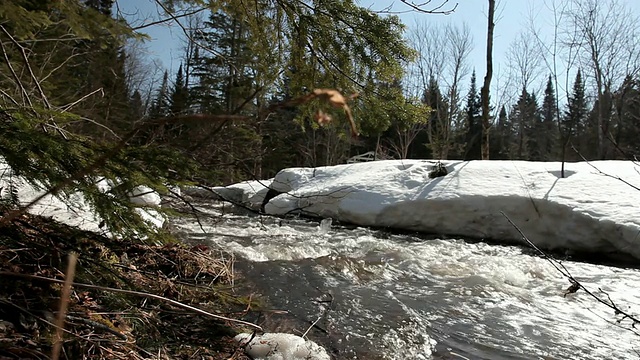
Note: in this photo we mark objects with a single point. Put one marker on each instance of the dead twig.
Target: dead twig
(575, 284)
(98, 325)
(603, 173)
(16, 78)
(64, 303)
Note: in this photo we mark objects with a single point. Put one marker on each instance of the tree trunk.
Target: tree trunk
(484, 93)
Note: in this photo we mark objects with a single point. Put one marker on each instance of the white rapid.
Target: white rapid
(408, 297)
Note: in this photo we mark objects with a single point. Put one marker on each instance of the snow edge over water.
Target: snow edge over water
(590, 210)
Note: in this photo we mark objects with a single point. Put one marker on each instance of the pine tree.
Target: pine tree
(437, 128)
(137, 107)
(549, 132)
(473, 111)
(160, 107)
(573, 123)
(534, 129)
(179, 97)
(526, 121)
(501, 135)
(49, 133)
(626, 128)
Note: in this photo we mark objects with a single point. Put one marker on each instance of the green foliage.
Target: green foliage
(473, 111)
(501, 137)
(626, 129)
(576, 113)
(548, 136)
(47, 159)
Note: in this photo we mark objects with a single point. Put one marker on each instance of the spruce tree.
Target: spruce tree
(626, 130)
(501, 135)
(534, 129)
(160, 107)
(473, 110)
(437, 128)
(179, 97)
(549, 132)
(573, 123)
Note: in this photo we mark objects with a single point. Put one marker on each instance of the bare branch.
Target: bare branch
(575, 284)
(172, 17)
(16, 78)
(423, 8)
(28, 66)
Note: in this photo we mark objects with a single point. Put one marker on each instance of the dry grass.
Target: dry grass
(102, 324)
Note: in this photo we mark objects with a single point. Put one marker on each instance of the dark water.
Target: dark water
(375, 295)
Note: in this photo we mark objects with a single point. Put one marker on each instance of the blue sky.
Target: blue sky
(512, 17)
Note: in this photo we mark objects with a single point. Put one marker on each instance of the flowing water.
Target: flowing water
(378, 295)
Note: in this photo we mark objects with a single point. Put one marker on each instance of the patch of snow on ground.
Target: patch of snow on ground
(74, 210)
(280, 346)
(249, 193)
(585, 211)
(144, 196)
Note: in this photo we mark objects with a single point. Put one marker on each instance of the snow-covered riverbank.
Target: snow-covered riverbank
(593, 209)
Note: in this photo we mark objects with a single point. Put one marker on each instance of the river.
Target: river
(378, 295)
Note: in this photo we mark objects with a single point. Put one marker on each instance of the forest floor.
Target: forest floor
(101, 323)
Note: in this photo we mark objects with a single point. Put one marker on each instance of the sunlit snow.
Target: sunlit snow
(74, 210)
(280, 346)
(591, 209)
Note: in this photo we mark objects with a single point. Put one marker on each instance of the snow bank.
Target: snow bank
(75, 211)
(585, 211)
(250, 193)
(280, 346)
(144, 196)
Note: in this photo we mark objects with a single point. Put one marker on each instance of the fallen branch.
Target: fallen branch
(136, 293)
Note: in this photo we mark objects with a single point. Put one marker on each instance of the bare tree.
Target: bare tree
(606, 34)
(559, 51)
(524, 59)
(405, 137)
(484, 92)
(459, 43)
(429, 41)
(443, 53)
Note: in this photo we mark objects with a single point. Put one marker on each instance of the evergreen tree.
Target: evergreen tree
(437, 128)
(573, 122)
(626, 128)
(534, 129)
(160, 107)
(549, 132)
(501, 135)
(526, 120)
(179, 97)
(49, 131)
(137, 107)
(473, 110)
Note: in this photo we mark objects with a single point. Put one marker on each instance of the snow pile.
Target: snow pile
(249, 193)
(75, 211)
(280, 346)
(144, 196)
(584, 211)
